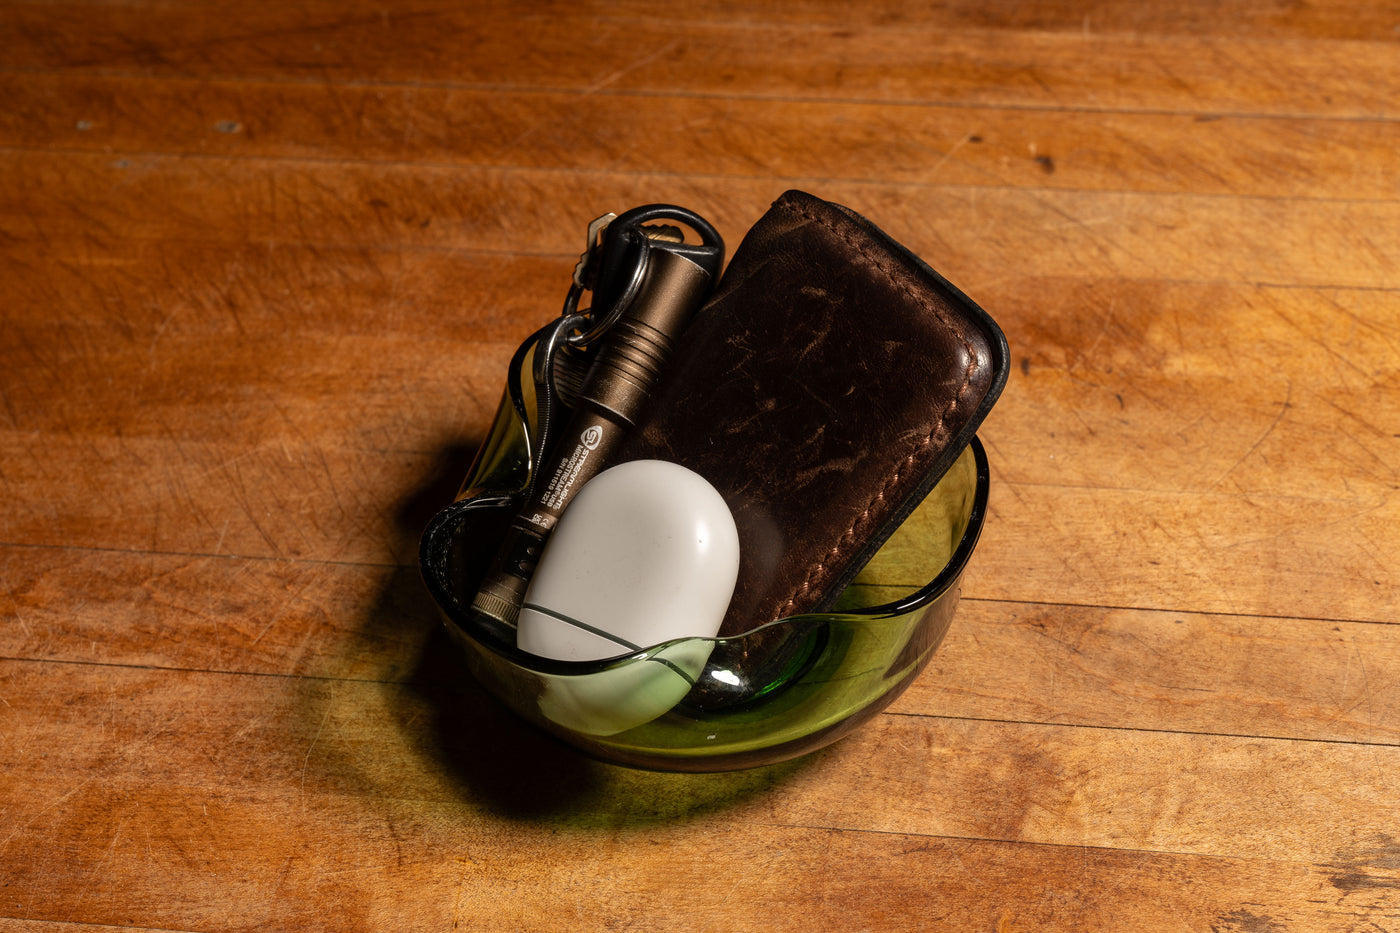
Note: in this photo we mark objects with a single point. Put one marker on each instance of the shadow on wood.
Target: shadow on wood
(440, 731)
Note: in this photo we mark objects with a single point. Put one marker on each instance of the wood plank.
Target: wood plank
(421, 748)
(168, 495)
(267, 391)
(1176, 388)
(1351, 19)
(236, 615)
(1191, 388)
(135, 292)
(427, 870)
(1230, 497)
(1098, 361)
(564, 49)
(1224, 496)
(264, 504)
(909, 144)
(1186, 672)
(11, 925)
(973, 234)
(1216, 553)
(1193, 401)
(1178, 672)
(1310, 557)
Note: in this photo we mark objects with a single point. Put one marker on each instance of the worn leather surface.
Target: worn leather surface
(824, 388)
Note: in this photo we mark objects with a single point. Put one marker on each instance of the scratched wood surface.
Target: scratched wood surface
(263, 265)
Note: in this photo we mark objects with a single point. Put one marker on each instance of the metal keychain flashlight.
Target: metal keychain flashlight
(651, 308)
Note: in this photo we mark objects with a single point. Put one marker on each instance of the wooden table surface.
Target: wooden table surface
(262, 265)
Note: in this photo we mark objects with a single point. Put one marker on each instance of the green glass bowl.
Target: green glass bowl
(713, 704)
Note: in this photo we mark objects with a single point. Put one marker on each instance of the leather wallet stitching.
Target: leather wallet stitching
(892, 274)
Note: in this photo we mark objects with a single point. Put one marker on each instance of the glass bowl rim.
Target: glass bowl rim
(434, 541)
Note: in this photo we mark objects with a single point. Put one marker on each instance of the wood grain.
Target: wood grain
(263, 265)
(185, 759)
(1185, 672)
(832, 139)
(1219, 675)
(566, 47)
(1097, 234)
(1256, 375)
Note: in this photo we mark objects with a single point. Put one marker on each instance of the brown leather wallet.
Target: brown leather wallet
(824, 389)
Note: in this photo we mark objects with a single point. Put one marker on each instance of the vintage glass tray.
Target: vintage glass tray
(696, 704)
